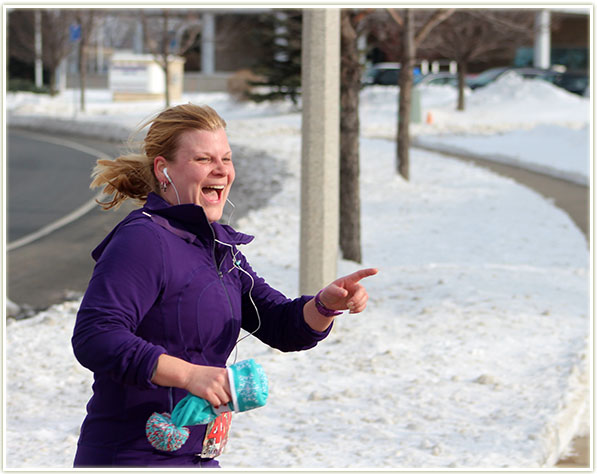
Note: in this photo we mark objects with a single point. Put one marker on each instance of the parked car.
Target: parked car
(490, 75)
(384, 74)
(573, 81)
(437, 79)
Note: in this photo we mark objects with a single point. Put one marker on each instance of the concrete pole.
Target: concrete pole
(62, 73)
(39, 71)
(542, 48)
(208, 44)
(99, 57)
(320, 148)
(138, 38)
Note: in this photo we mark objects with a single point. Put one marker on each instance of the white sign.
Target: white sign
(129, 77)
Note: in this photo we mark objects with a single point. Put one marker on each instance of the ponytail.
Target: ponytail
(129, 176)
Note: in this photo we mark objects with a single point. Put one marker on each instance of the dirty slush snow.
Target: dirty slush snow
(472, 353)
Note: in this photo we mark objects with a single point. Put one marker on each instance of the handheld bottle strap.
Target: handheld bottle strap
(232, 389)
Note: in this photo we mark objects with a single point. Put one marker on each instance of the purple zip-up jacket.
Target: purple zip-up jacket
(165, 282)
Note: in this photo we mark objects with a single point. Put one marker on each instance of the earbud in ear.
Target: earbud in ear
(165, 170)
(166, 175)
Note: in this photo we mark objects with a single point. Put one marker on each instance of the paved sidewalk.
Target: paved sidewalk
(581, 457)
(574, 199)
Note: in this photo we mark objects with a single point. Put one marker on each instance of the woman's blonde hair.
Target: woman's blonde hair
(131, 175)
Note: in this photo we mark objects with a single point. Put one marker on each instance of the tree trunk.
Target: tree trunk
(82, 68)
(350, 83)
(405, 82)
(165, 51)
(53, 80)
(167, 81)
(461, 83)
(86, 22)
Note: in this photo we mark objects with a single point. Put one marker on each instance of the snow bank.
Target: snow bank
(471, 354)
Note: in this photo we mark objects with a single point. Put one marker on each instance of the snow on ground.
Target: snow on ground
(474, 350)
(519, 148)
(528, 123)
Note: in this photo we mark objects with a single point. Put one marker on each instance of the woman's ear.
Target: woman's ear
(159, 163)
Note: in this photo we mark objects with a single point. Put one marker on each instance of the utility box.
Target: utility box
(141, 77)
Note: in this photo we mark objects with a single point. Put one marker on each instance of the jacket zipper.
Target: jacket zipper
(213, 252)
(220, 274)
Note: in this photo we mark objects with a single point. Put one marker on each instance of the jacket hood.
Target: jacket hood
(188, 221)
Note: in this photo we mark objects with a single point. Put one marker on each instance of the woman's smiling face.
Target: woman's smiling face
(202, 171)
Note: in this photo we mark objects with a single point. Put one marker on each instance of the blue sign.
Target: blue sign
(74, 32)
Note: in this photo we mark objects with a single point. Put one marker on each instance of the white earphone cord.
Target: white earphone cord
(236, 264)
(231, 212)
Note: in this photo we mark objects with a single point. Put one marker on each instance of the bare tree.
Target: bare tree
(479, 35)
(55, 34)
(405, 83)
(86, 20)
(56, 41)
(350, 86)
(383, 33)
(353, 22)
(20, 35)
(167, 34)
(411, 39)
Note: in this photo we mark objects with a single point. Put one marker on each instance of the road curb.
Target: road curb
(115, 133)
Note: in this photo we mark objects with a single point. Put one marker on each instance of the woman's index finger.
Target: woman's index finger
(360, 274)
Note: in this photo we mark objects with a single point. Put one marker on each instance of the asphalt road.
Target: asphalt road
(48, 178)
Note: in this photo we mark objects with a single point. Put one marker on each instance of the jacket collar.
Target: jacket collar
(185, 219)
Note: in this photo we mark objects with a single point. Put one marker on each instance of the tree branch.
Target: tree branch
(438, 17)
(499, 20)
(361, 15)
(395, 16)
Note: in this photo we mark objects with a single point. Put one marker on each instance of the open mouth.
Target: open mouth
(212, 193)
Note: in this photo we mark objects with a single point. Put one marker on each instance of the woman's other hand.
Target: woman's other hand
(209, 383)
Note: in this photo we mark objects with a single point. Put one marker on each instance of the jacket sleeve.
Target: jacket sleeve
(280, 320)
(126, 282)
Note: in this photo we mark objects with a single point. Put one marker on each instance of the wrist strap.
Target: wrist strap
(323, 309)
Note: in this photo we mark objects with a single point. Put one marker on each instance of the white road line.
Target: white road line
(74, 215)
(63, 142)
